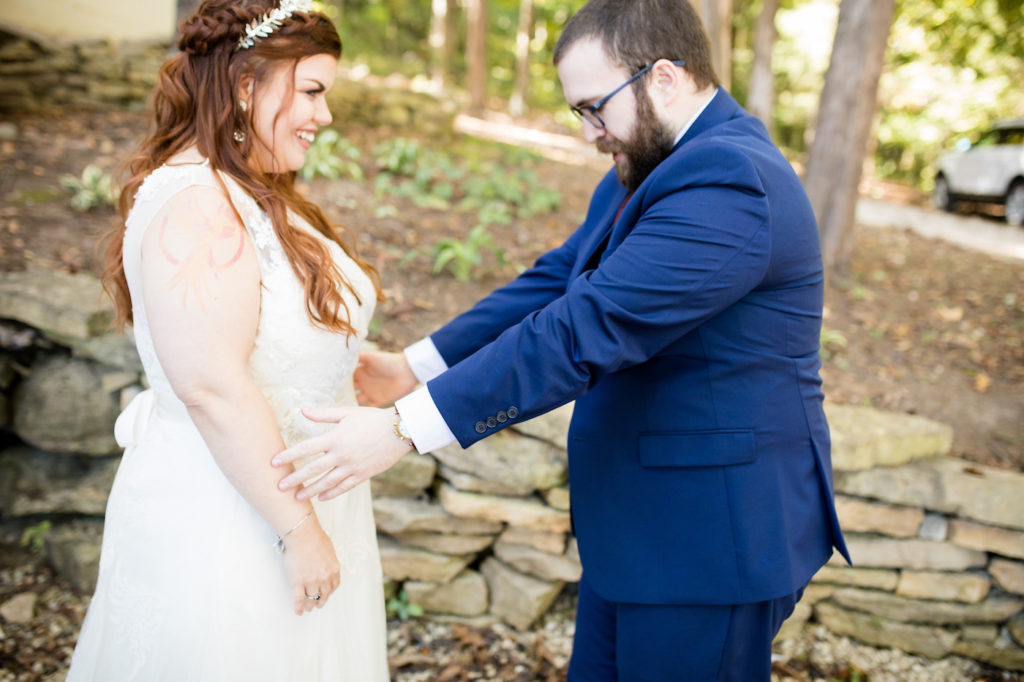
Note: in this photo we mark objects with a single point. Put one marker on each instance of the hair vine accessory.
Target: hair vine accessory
(269, 22)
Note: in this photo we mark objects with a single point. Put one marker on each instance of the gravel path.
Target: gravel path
(423, 651)
(978, 233)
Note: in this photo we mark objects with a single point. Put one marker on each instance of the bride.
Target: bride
(246, 306)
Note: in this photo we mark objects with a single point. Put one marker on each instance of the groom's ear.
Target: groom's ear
(666, 82)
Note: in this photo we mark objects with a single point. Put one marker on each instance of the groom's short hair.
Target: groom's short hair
(635, 33)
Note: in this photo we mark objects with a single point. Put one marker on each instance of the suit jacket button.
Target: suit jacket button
(480, 427)
(491, 422)
(502, 416)
(513, 412)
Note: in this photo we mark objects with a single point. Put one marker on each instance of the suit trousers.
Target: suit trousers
(623, 642)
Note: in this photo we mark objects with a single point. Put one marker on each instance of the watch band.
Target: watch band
(400, 429)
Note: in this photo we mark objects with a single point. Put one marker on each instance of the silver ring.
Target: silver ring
(315, 597)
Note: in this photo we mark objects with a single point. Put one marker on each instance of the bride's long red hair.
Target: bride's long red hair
(196, 102)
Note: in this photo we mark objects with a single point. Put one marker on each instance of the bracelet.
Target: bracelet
(279, 544)
(400, 429)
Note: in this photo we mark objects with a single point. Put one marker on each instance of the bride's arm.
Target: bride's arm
(201, 289)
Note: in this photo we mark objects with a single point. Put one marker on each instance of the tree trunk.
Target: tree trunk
(451, 35)
(717, 17)
(847, 108)
(476, 54)
(761, 95)
(517, 104)
(438, 41)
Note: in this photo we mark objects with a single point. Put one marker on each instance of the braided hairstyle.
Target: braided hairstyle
(196, 103)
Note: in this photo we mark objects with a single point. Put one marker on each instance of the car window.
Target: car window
(1011, 136)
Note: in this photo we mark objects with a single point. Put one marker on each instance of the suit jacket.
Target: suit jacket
(699, 459)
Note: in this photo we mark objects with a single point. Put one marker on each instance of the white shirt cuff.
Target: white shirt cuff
(425, 360)
(421, 417)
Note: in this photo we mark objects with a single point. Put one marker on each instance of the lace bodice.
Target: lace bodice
(294, 362)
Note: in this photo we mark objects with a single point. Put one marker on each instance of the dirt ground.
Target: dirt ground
(913, 325)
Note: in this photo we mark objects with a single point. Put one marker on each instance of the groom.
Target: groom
(683, 317)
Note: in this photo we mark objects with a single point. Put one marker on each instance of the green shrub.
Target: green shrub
(94, 189)
(401, 606)
(33, 537)
(332, 156)
(462, 257)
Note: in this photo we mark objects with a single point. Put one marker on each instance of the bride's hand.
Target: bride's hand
(382, 378)
(312, 566)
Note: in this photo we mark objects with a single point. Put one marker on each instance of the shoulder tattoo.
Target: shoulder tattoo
(215, 241)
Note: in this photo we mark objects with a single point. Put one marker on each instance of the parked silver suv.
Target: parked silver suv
(991, 170)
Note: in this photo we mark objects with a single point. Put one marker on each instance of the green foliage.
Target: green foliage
(493, 187)
(831, 340)
(953, 67)
(36, 196)
(421, 175)
(462, 257)
(391, 36)
(332, 156)
(33, 537)
(398, 155)
(401, 607)
(495, 213)
(94, 189)
(542, 200)
(498, 189)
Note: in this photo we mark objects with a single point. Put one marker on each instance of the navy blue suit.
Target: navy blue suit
(698, 451)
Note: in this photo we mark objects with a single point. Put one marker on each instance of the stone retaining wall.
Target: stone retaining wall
(484, 533)
(39, 73)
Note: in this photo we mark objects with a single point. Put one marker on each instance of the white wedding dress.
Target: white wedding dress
(190, 585)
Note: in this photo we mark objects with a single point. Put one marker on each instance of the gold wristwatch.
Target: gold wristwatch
(400, 429)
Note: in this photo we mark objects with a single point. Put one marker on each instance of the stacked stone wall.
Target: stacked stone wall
(38, 74)
(484, 533)
(938, 560)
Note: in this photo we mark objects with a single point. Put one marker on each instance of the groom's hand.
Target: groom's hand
(382, 378)
(362, 445)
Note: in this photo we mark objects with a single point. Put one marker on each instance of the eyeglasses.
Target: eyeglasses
(589, 113)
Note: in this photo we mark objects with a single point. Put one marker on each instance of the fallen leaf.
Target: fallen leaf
(981, 382)
(451, 673)
(411, 658)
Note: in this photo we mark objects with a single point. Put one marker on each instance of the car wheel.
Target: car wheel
(941, 197)
(1015, 204)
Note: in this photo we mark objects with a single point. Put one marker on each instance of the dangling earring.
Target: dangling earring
(239, 135)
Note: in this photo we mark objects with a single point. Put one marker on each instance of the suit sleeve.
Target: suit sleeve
(698, 248)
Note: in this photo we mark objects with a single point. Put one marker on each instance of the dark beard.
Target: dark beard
(650, 143)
